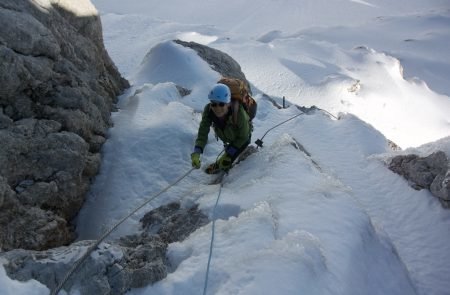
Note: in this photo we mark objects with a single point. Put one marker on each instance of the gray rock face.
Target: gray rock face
(58, 88)
(431, 172)
(218, 60)
(173, 223)
(113, 268)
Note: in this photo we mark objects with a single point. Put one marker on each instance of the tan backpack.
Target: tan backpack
(240, 93)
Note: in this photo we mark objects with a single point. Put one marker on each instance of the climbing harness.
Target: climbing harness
(94, 246)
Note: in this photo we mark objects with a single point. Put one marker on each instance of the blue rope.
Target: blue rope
(212, 240)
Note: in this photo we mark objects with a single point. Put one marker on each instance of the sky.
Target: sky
(315, 211)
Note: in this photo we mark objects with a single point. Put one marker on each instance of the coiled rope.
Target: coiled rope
(107, 233)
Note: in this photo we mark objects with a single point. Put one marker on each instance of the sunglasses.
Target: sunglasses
(215, 104)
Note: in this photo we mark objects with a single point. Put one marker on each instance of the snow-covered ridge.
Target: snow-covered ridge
(279, 197)
(334, 220)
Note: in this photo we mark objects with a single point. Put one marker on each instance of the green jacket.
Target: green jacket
(236, 135)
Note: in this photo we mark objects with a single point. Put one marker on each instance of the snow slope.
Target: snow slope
(315, 211)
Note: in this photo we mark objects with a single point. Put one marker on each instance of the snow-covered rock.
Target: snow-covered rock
(431, 172)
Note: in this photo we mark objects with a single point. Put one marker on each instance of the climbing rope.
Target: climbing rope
(107, 233)
(212, 239)
(331, 115)
(259, 142)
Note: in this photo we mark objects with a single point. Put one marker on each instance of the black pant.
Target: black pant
(240, 150)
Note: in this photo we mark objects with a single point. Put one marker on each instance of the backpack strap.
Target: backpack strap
(235, 111)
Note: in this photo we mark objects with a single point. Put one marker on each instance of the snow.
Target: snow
(315, 211)
(9, 286)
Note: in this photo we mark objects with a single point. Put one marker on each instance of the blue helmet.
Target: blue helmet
(220, 93)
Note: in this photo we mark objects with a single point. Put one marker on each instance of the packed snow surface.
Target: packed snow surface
(315, 211)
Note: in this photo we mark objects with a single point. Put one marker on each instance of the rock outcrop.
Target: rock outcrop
(218, 60)
(114, 267)
(58, 88)
(431, 172)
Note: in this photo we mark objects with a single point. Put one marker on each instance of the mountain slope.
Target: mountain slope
(315, 209)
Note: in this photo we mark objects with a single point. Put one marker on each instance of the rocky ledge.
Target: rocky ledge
(115, 266)
(431, 172)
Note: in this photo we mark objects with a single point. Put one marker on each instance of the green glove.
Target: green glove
(195, 158)
(225, 162)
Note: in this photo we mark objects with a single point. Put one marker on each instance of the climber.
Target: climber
(235, 133)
